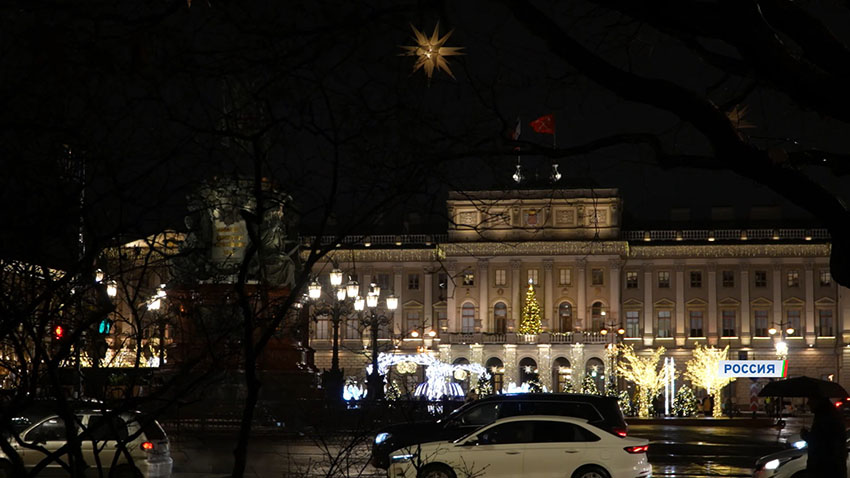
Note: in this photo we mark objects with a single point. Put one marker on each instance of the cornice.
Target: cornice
(535, 248)
(730, 250)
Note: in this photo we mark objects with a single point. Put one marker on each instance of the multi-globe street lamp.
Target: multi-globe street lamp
(336, 308)
(781, 346)
(614, 332)
(372, 320)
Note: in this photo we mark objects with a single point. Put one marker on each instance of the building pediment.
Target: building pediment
(729, 301)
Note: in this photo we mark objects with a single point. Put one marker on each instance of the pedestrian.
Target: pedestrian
(826, 440)
(658, 405)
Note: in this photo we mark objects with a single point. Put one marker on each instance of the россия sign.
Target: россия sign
(753, 368)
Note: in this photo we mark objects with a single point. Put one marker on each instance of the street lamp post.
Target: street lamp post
(332, 380)
(373, 321)
(616, 332)
(781, 346)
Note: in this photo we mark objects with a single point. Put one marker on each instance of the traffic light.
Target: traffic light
(58, 332)
(105, 326)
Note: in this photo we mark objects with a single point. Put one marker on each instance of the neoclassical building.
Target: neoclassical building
(461, 293)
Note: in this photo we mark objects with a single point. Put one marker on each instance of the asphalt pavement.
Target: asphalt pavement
(693, 449)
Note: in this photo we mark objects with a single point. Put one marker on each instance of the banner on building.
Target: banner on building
(754, 368)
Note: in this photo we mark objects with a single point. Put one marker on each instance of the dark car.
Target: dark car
(602, 412)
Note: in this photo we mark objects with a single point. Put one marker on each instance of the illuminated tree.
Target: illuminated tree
(530, 322)
(645, 373)
(703, 371)
(589, 386)
(685, 402)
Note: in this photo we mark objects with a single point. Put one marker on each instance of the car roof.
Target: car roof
(554, 397)
(550, 418)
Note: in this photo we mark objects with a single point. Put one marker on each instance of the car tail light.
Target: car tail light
(620, 432)
(838, 404)
(147, 446)
(637, 449)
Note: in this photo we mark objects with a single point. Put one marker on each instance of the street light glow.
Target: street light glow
(336, 277)
(392, 302)
(314, 290)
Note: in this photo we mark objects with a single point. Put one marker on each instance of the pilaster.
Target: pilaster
(548, 294)
(679, 333)
(451, 306)
(648, 316)
(544, 365)
(483, 318)
(581, 295)
(511, 370)
(746, 335)
(712, 304)
(516, 302)
(810, 302)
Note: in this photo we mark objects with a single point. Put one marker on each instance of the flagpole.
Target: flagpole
(554, 133)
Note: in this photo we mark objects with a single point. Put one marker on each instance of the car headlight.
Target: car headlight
(401, 458)
(799, 444)
(381, 437)
(772, 464)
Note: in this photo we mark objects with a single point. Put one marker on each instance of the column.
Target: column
(544, 365)
(810, 303)
(581, 295)
(548, 295)
(516, 302)
(777, 299)
(745, 305)
(511, 369)
(648, 315)
(428, 313)
(451, 309)
(680, 303)
(400, 323)
(615, 267)
(711, 333)
(483, 282)
(445, 353)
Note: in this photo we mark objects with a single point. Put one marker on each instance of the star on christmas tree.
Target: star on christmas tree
(530, 322)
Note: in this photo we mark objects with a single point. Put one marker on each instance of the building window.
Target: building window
(825, 323)
(761, 279)
(631, 280)
(500, 318)
(663, 329)
(664, 280)
(414, 321)
(632, 324)
(793, 279)
(696, 279)
(322, 327)
(728, 278)
(468, 279)
(597, 277)
(696, 323)
(792, 317)
(760, 323)
(413, 282)
(563, 373)
(565, 317)
(497, 373)
(501, 277)
(825, 278)
(532, 276)
(728, 318)
(596, 316)
(565, 276)
(442, 285)
(383, 281)
(467, 323)
(442, 316)
(352, 329)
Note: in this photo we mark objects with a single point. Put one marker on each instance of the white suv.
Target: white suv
(147, 452)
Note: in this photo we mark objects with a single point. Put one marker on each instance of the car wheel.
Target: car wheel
(126, 471)
(6, 469)
(437, 470)
(591, 472)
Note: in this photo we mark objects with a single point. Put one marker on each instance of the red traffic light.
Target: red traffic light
(58, 331)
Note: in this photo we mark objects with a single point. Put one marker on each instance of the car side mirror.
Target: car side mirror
(471, 442)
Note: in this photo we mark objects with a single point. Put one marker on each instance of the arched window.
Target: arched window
(595, 369)
(565, 317)
(562, 374)
(528, 370)
(596, 317)
(497, 373)
(500, 318)
(467, 314)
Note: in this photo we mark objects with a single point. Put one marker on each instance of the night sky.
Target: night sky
(154, 97)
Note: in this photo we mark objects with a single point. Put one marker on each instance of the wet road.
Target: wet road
(675, 451)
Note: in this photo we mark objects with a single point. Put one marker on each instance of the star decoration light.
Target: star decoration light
(430, 52)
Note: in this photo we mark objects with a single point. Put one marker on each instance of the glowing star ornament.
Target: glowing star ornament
(430, 52)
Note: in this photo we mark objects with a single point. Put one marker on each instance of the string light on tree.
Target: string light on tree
(702, 370)
(530, 323)
(430, 52)
(644, 373)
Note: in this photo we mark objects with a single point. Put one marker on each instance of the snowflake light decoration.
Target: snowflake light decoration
(430, 52)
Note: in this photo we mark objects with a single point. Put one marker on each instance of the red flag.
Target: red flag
(544, 124)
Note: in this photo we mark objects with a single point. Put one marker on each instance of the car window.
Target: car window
(51, 429)
(481, 415)
(151, 429)
(103, 428)
(558, 432)
(514, 432)
(567, 409)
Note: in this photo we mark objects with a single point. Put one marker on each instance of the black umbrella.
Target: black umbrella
(803, 387)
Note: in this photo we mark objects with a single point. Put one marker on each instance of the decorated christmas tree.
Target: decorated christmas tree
(530, 322)
(685, 402)
(589, 386)
(568, 387)
(626, 403)
(484, 387)
(534, 385)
